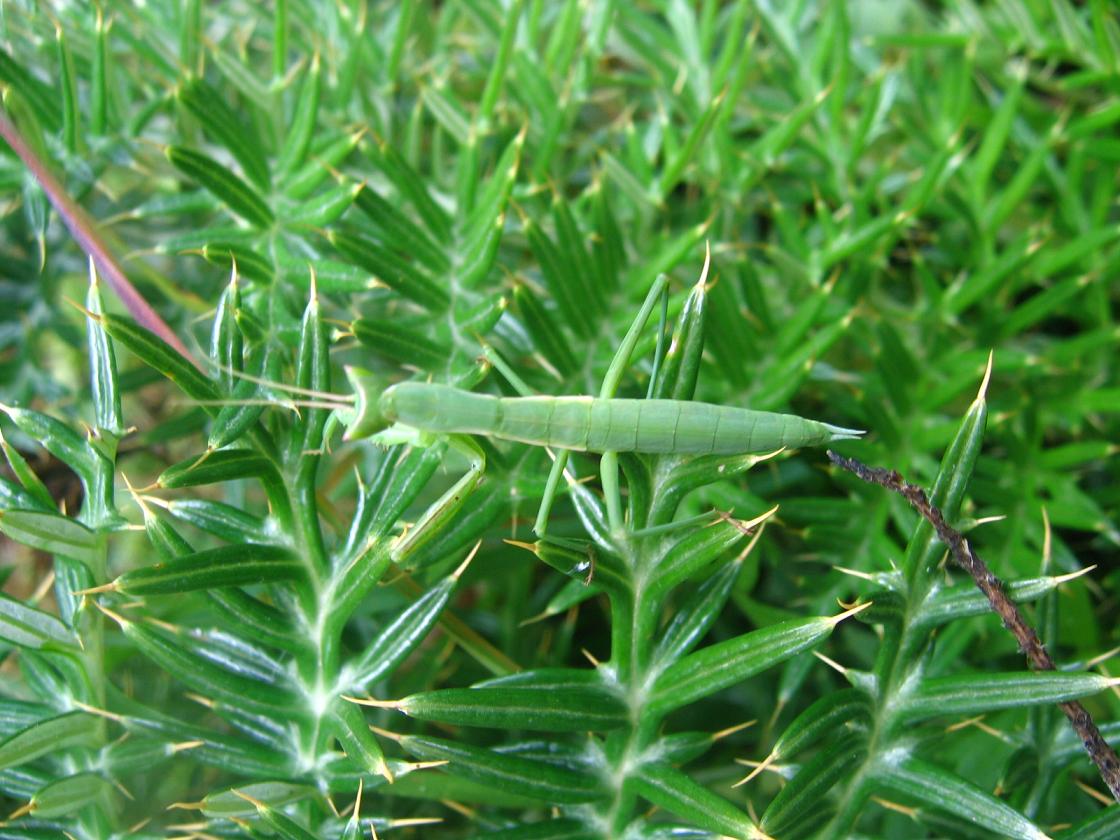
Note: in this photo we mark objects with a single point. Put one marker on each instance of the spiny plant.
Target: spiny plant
(482, 195)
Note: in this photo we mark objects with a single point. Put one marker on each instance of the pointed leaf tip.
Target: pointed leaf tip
(463, 566)
(982, 394)
(836, 619)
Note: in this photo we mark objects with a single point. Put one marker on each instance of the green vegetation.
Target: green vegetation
(202, 575)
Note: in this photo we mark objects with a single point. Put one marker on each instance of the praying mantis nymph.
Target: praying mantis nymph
(585, 424)
(422, 412)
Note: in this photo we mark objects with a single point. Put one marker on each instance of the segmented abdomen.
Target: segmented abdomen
(600, 425)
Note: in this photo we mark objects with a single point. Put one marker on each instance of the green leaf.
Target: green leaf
(219, 121)
(500, 62)
(401, 343)
(249, 263)
(40, 96)
(835, 712)
(69, 795)
(231, 565)
(354, 734)
(227, 804)
(156, 353)
(941, 790)
(58, 439)
(324, 209)
(227, 346)
(582, 563)
(323, 163)
(238, 196)
(216, 467)
(448, 114)
(949, 604)
(303, 121)
(331, 276)
(230, 753)
(669, 788)
(681, 369)
(540, 709)
(99, 81)
(726, 663)
(413, 188)
(803, 794)
(283, 825)
(968, 694)
(1102, 825)
(697, 549)
(49, 736)
(51, 533)
(696, 615)
(525, 777)
(490, 204)
(226, 521)
(400, 637)
(924, 548)
(34, 493)
(398, 274)
(408, 237)
(567, 285)
(71, 126)
(676, 165)
(254, 619)
(541, 325)
(103, 367)
(169, 650)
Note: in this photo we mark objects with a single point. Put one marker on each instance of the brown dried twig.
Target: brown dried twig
(1100, 752)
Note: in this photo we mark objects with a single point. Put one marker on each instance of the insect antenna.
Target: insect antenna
(280, 386)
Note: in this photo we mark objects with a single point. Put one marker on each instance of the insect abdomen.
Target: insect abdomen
(600, 425)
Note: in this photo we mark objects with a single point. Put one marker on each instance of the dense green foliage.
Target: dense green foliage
(482, 193)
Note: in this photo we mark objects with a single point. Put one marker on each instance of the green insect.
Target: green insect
(585, 424)
(603, 424)
(422, 413)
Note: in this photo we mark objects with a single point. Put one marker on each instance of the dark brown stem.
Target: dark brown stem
(84, 231)
(1096, 746)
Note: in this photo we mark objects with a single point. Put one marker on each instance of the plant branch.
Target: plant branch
(1099, 750)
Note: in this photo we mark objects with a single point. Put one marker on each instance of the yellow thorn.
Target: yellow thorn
(256, 803)
(831, 663)
(385, 733)
(186, 745)
(836, 619)
(912, 813)
(93, 590)
(731, 730)
(1097, 795)
(186, 806)
(762, 765)
(380, 704)
(463, 566)
(982, 394)
(93, 710)
(122, 622)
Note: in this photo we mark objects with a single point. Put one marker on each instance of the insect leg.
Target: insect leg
(659, 351)
(443, 509)
(551, 487)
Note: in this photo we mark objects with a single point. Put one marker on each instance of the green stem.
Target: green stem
(632, 641)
